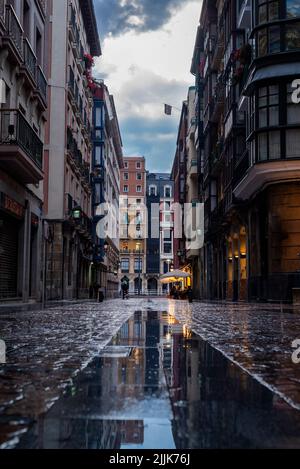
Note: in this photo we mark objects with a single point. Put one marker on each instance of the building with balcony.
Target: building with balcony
(179, 178)
(73, 42)
(23, 106)
(107, 163)
(160, 242)
(246, 60)
(133, 224)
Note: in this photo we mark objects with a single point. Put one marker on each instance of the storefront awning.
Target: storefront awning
(173, 277)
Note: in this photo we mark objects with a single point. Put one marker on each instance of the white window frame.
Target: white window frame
(124, 190)
(139, 192)
(165, 190)
(151, 187)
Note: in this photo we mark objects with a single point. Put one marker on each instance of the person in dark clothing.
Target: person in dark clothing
(124, 287)
(190, 295)
(176, 294)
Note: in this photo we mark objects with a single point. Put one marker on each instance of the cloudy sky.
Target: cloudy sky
(147, 48)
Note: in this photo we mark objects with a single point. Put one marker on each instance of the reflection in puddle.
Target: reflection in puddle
(157, 385)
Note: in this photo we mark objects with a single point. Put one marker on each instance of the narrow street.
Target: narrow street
(150, 373)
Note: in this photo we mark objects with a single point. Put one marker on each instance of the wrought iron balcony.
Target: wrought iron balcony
(2, 11)
(42, 84)
(14, 32)
(21, 149)
(29, 60)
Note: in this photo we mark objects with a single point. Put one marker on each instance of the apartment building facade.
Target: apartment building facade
(133, 224)
(23, 106)
(160, 242)
(73, 42)
(245, 62)
(107, 164)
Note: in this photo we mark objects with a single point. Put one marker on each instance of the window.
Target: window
(167, 218)
(126, 176)
(269, 146)
(139, 188)
(125, 266)
(98, 160)
(126, 164)
(138, 217)
(292, 36)
(292, 8)
(268, 106)
(98, 117)
(97, 193)
(138, 165)
(138, 201)
(268, 10)
(139, 176)
(138, 265)
(292, 144)
(167, 247)
(153, 190)
(168, 192)
(125, 189)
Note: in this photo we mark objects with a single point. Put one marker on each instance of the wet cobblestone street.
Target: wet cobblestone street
(152, 373)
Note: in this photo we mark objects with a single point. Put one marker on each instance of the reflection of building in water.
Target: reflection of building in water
(133, 332)
(170, 333)
(152, 355)
(132, 432)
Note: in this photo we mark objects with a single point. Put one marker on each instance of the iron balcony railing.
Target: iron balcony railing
(15, 130)
(29, 59)
(2, 10)
(71, 80)
(43, 5)
(41, 82)
(14, 29)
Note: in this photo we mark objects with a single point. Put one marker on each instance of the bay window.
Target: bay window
(274, 124)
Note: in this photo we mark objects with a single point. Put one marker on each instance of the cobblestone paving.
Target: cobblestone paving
(46, 349)
(258, 337)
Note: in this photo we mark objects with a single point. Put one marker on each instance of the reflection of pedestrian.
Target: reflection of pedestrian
(176, 294)
(190, 295)
(96, 288)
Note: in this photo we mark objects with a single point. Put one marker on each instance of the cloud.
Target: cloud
(117, 17)
(145, 94)
(144, 70)
(156, 141)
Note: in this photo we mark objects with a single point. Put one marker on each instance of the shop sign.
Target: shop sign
(11, 206)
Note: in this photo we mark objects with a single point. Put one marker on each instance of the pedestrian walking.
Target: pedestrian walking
(190, 295)
(124, 287)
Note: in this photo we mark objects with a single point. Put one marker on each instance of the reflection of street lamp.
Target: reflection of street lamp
(138, 248)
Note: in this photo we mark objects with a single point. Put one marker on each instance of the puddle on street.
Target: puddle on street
(157, 385)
